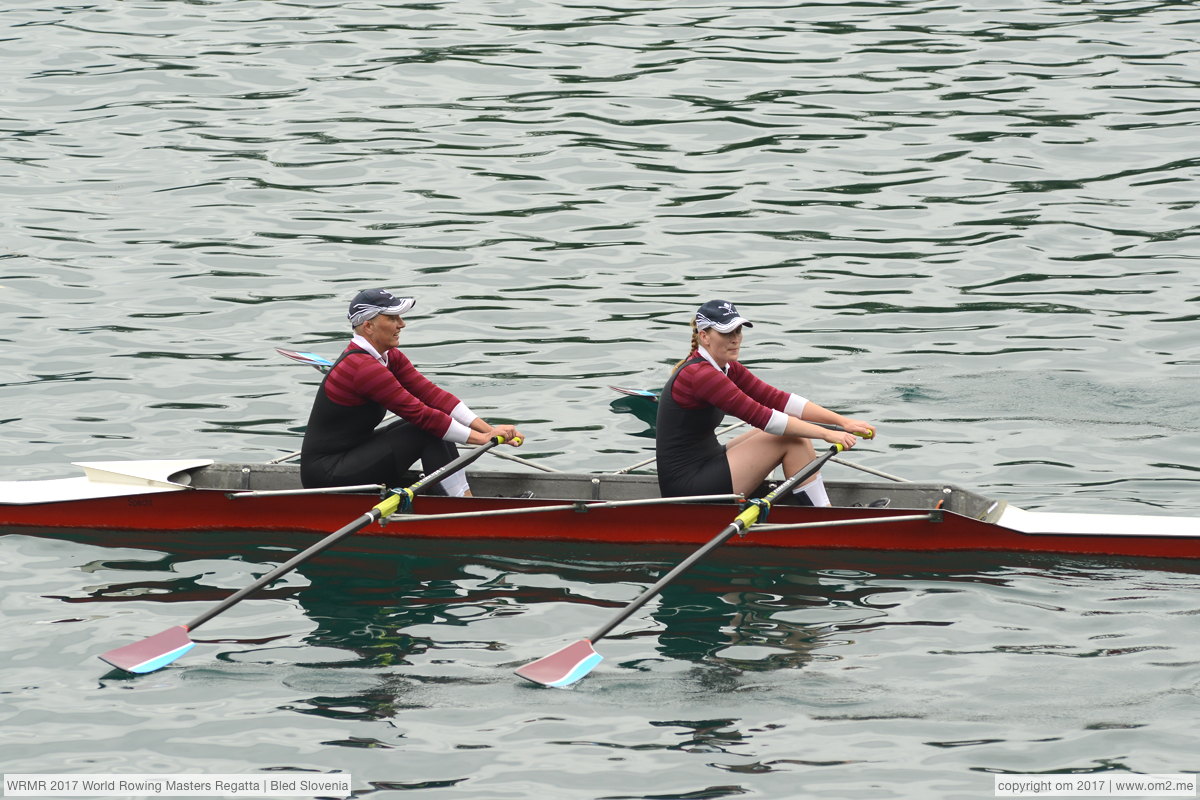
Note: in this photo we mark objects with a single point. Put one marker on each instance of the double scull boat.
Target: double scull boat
(203, 495)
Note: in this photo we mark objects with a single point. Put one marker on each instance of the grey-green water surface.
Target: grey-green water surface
(972, 223)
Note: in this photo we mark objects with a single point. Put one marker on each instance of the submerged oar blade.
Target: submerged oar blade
(152, 653)
(649, 394)
(312, 359)
(562, 667)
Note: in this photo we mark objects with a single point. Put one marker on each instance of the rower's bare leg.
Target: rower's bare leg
(754, 454)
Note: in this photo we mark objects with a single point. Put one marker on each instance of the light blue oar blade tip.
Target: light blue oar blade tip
(150, 654)
(564, 666)
(316, 359)
(580, 671)
(162, 660)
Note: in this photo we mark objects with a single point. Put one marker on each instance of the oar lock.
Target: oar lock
(406, 496)
(764, 508)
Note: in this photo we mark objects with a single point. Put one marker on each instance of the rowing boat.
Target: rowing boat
(203, 495)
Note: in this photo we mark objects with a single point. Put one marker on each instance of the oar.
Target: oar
(567, 665)
(162, 648)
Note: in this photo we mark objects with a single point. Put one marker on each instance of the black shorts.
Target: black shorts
(711, 476)
(384, 458)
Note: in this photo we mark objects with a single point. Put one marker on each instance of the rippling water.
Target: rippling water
(974, 224)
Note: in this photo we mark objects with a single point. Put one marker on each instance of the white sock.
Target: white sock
(456, 484)
(815, 491)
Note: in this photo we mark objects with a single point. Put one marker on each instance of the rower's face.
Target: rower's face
(723, 347)
(385, 330)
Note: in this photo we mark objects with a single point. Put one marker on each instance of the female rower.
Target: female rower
(342, 446)
(711, 383)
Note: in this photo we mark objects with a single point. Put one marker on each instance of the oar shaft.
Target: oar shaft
(524, 462)
(455, 465)
(654, 590)
(802, 474)
(286, 567)
(743, 522)
(382, 509)
(852, 465)
(736, 526)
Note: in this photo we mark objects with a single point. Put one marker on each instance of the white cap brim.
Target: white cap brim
(727, 327)
(403, 307)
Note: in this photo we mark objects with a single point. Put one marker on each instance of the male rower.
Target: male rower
(343, 447)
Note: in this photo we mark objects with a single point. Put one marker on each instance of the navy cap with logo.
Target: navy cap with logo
(370, 303)
(721, 315)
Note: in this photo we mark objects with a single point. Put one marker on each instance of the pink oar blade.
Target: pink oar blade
(151, 653)
(562, 667)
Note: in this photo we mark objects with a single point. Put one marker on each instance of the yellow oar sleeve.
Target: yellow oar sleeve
(747, 517)
(389, 504)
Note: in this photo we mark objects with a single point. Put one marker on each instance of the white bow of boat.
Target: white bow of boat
(104, 479)
(1052, 523)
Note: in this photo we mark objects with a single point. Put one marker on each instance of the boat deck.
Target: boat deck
(588, 487)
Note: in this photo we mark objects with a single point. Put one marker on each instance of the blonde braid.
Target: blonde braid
(695, 345)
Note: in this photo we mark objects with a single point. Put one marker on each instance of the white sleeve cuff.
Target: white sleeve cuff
(795, 406)
(463, 414)
(777, 424)
(457, 433)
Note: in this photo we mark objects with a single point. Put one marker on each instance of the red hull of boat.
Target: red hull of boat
(681, 524)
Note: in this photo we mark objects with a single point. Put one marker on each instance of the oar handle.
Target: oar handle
(742, 522)
(829, 426)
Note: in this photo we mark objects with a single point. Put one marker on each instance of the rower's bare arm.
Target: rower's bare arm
(808, 430)
(818, 413)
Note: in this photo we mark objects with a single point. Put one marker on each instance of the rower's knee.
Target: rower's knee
(804, 447)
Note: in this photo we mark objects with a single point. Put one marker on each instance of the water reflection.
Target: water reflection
(641, 409)
(754, 657)
(391, 604)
